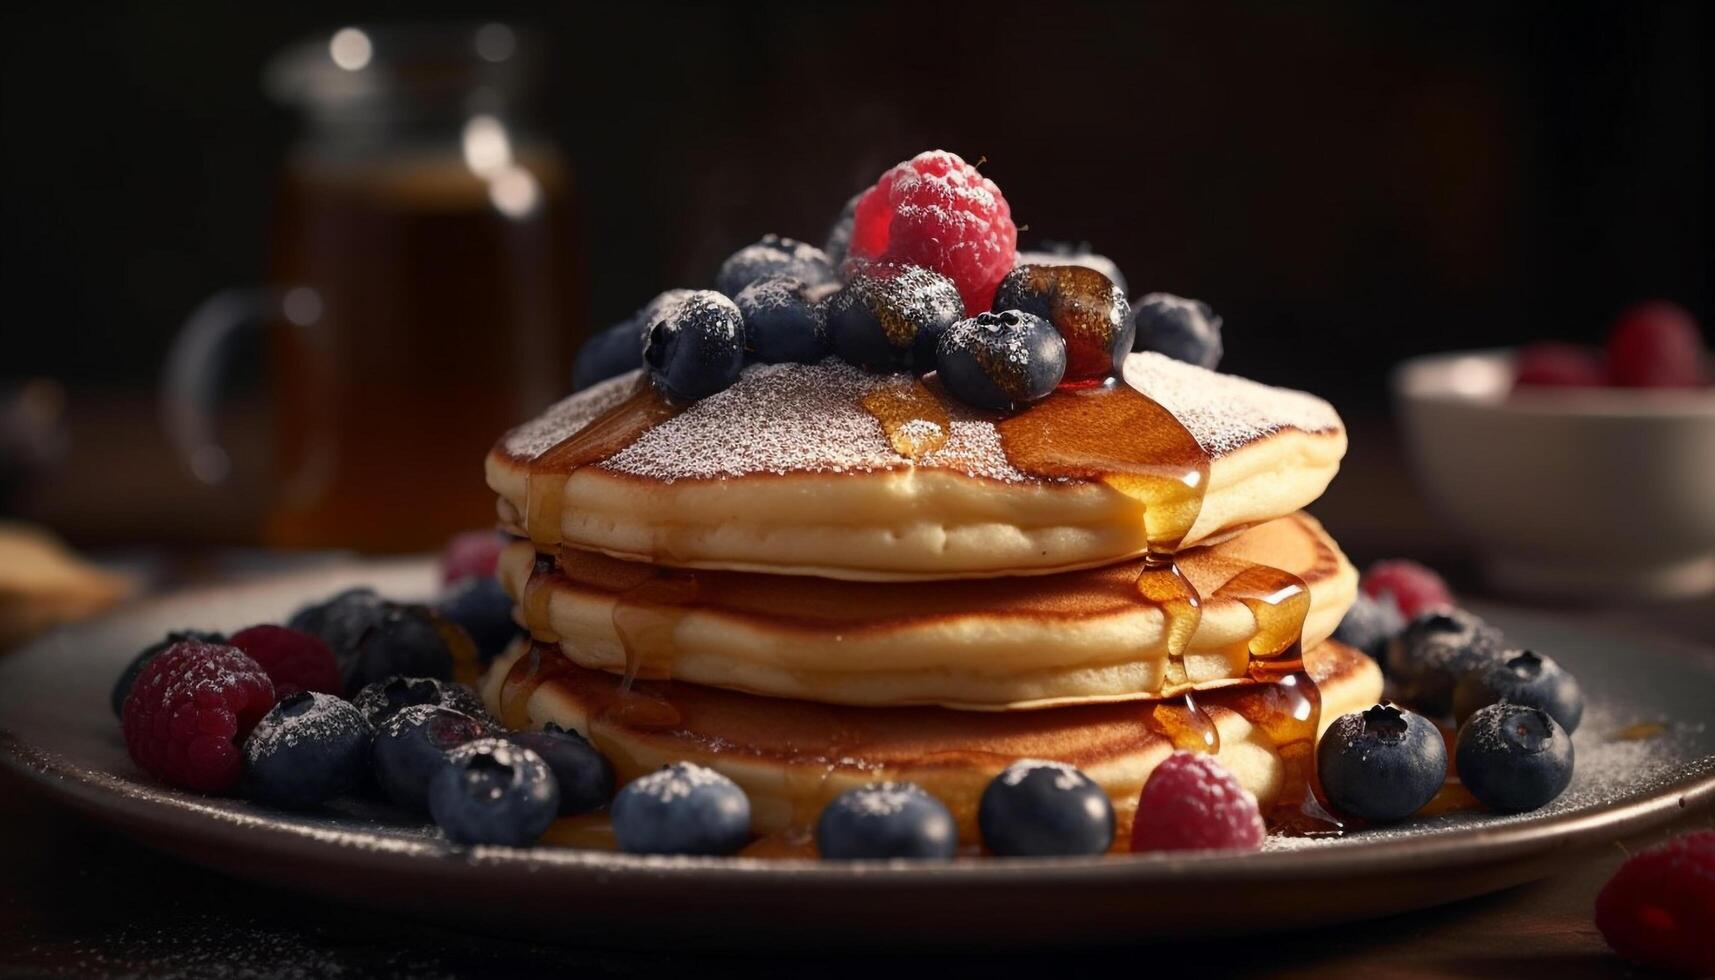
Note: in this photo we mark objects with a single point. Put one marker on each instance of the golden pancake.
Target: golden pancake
(826, 470)
(791, 757)
(987, 643)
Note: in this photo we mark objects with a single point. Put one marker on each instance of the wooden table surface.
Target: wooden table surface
(78, 901)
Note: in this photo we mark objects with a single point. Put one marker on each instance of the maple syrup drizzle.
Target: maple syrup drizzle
(537, 666)
(534, 601)
(1120, 436)
(912, 417)
(646, 619)
(606, 434)
(1186, 724)
(1279, 601)
(1127, 440)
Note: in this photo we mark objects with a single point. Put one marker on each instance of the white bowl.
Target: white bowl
(1566, 492)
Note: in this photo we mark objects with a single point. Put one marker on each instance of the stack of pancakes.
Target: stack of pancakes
(820, 578)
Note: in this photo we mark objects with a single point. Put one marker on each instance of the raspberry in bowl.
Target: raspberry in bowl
(1572, 489)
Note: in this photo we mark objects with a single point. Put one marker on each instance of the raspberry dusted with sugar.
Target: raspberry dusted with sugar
(294, 660)
(1414, 587)
(935, 210)
(1655, 344)
(1659, 908)
(189, 712)
(1191, 803)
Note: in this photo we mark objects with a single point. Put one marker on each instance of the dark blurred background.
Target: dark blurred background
(1348, 184)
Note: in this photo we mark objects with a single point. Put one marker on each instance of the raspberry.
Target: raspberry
(1655, 344)
(1559, 365)
(1659, 908)
(190, 710)
(294, 660)
(1190, 803)
(1414, 587)
(472, 554)
(935, 210)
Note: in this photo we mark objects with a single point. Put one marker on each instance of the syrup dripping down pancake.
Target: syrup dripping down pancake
(1015, 642)
(826, 470)
(791, 757)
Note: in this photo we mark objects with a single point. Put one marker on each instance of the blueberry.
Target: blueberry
(128, 676)
(1084, 305)
(696, 348)
(1036, 808)
(308, 749)
(771, 257)
(1522, 677)
(683, 808)
(1381, 764)
(492, 791)
(1067, 253)
(612, 352)
(482, 607)
(382, 700)
(839, 242)
(1370, 624)
(886, 820)
(1001, 361)
(411, 746)
(1433, 651)
(342, 620)
(1513, 757)
(584, 775)
(403, 641)
(890, 317)
(619, 348)
(781, 322)
(1183, 329)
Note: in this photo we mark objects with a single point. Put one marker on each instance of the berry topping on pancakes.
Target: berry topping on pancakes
(696, 348)
(890, 317)
(1001, 361)
(936, 211)
(770, 258)
(1084, 305)
(782, 322)
(1183, 329)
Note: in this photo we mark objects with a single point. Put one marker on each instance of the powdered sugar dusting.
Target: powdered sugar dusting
(566, 417)
(1224, 412)
(677, 781)
(798, 418)
(289, 724)
(1066, 778)
(883, 799)
(1607, 769)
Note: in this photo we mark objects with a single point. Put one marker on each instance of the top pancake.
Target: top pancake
(788, 472)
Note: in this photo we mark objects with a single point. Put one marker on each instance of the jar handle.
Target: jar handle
(197, 361)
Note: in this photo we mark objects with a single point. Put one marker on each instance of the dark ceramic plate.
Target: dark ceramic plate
(1645, 755)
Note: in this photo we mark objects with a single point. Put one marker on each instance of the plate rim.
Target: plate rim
(132, 806)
